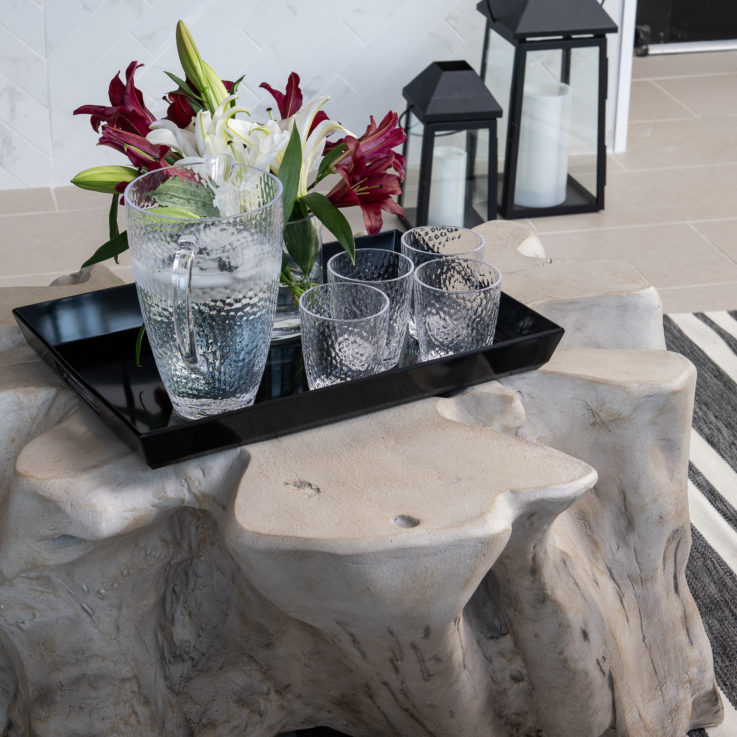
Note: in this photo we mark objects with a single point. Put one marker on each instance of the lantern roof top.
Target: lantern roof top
(448, 92)
(517, 20)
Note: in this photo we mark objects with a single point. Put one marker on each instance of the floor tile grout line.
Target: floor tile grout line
(600, 228)
(714, 164)
(712, 243)
(675, 99)
(698, 75)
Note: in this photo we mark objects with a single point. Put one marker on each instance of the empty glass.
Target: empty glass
(428, 242)
(205, 245)
(344, 326)
(456, 305)
(390, 272)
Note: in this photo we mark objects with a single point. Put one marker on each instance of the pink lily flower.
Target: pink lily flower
(378, 141)
(139, 151)
(367, 184)
(125, 122)
(364, 171)
(290, 101)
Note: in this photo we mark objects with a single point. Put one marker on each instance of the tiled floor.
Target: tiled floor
(671, 199)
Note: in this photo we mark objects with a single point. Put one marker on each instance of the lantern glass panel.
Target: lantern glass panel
(583, 142)
(558, 127)
(457, 191)
(448, 185)
(410, 185)
(481, 209)
(498, 79)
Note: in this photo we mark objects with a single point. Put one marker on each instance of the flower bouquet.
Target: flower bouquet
(204, 119)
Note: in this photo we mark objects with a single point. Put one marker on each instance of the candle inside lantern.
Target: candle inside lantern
(542, 162)
(447, 186)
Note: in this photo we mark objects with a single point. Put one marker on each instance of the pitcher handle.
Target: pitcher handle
(182, 303)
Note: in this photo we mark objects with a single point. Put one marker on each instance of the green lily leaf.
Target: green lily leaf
(333, 219)
(285, 276)
(193, 198)
(289, 170)
(194, 99)
(235, 85)
(326, 165)
(139, 342)
(112, 249)
(173, 212)
(302, 244)
(112, 219)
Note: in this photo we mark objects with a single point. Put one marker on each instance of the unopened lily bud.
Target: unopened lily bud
(200, 74)
(104, 178)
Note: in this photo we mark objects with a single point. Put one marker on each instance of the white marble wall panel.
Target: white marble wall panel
(25, 20)
(62, 53)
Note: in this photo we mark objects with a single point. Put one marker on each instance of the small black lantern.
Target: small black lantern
(450, 148)
(555, 153)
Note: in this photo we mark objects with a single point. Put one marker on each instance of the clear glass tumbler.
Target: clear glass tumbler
(344, 326)
(429, 242)
(205, 247)
(456, 306)
(390, 272)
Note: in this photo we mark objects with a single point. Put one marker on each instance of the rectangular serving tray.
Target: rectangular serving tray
(89, 339)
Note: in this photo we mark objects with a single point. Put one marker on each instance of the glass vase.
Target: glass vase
(302, 236)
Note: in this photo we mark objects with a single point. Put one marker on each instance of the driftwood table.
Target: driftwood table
(505, 562)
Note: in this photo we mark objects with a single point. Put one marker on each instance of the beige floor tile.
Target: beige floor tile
(722, 233)
(668, 255)
(676, 143)
(657, 196)
(14, 201)
(700, 299)
(707, 96)
(53, 242)
(650, 102)
(682, 65)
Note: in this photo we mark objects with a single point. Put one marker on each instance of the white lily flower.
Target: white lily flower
(259, 144)
(313, 144)
(313, 149)
(211, 129)
(206, 135)
(167, 133)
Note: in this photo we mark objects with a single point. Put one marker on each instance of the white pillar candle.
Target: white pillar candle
(447, 186)
(542, 162)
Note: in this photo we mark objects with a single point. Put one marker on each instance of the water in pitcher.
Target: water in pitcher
(232, 314)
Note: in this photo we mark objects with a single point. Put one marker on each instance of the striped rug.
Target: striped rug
(709, 340)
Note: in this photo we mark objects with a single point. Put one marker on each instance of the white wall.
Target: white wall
(58, 54)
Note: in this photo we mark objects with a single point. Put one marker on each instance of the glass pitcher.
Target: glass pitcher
(205, 242)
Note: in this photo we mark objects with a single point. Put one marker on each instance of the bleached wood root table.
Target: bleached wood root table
(505, 562)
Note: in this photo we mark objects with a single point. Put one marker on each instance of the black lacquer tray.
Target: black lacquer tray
(89, 339)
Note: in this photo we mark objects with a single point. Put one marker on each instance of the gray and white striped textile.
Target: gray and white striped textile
(709, 340)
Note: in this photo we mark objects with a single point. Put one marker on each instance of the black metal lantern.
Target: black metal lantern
(450, 149)
(555, 154)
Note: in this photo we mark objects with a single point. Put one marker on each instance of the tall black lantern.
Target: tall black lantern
(451, 148)
(552, 63)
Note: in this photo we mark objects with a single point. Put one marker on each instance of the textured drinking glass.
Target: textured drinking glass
(456, 305)
(390, 272)
(344, 326)
(429, 242)
(205, 245)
